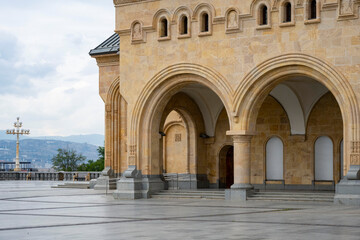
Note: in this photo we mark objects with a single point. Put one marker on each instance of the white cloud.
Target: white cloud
(48, 79)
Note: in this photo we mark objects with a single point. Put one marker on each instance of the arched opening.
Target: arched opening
(184, 25)
(287, 12)
(274, 159)
(226, 164)
(175, 144)
(263, 15)
(199, 103)
(312, 9)
(204, 22)
(324, 159)
(163, 27)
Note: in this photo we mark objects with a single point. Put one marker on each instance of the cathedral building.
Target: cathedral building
(235, 94)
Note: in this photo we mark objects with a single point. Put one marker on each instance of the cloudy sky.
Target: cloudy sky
(46, 75)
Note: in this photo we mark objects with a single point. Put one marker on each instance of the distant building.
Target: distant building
(243, 93)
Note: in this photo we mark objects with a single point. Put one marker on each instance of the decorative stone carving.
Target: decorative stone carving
(132, 155)
(232, 21)
(137, 31)
(346, 7)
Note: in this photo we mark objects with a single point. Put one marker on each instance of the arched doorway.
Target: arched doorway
(226, 164)
(274, 159)
(324, 159)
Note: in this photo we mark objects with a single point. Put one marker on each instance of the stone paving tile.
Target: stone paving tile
(86, 214)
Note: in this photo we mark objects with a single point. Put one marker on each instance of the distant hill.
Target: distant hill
(40, 152)
(94, 139)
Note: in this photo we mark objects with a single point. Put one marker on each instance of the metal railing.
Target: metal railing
(44, 176)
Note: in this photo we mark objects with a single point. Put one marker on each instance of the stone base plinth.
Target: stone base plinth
(105, 182)
(238, 192)
(136, 188)
(347, 192)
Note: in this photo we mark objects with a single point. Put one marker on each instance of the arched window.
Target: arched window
(287, 12)
(324, 159)
(184, 25)
(204, 22)
(164, 27)
(263, 15)
(274, 159)
(312, 9)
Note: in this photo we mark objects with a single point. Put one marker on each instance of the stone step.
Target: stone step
(187, 196)
(193, 194)
(294, 195)
(291, 199)
(84, 185)
(295, 192)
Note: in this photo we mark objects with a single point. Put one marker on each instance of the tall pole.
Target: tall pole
(18, 132)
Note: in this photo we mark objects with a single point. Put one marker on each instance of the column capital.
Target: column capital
(240, 133)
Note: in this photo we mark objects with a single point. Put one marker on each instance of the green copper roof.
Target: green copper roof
(109, 46)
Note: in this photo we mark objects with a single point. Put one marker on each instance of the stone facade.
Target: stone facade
(215, 63)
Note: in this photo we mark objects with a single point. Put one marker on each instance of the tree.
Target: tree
(96, 166)
(67, 160)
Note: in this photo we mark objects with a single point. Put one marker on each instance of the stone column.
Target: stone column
(242, 151)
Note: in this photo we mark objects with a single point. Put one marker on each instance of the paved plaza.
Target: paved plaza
(34, 210)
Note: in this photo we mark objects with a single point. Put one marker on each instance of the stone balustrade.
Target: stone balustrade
(44, 176)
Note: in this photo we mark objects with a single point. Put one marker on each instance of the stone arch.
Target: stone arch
(258, 83)
(161, 13)
(115, 106)
(204, 7)
(154, 97)
(183, 10)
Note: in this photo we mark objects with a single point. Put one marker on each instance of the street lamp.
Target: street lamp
(18, 132)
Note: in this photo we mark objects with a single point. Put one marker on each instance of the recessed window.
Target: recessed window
(263, 15)
(184, 25)
(287, 12)
(204, 22)
(312, 10)
(164, 28)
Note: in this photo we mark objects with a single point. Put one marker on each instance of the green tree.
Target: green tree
(96, 166)
(67, 160)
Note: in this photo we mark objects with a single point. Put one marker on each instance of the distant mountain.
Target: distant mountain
(94, 139)
(40, 152)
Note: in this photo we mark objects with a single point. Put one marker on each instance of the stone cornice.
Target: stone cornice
(127, 2)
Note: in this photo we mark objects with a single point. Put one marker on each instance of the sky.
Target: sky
(47, 77)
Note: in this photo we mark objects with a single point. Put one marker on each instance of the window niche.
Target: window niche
(164, 29)
(312, 11)
(263, 17)
(205, 24)
(287, 14)
(184, 26)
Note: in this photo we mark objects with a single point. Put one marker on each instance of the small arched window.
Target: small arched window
(287, 12)
(184, 25)
(204, 22)
(164, 28)
(263, 15)
(312, 9)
